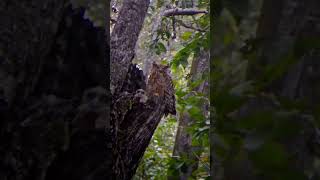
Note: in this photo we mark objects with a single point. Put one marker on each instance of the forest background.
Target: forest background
(261, 120)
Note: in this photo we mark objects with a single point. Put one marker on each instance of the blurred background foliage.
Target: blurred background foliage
(258, 140)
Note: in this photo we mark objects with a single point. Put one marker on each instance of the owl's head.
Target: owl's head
(160, 67)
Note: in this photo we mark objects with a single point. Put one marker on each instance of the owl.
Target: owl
(160, 85)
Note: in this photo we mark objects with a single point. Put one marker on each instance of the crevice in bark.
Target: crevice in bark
(136, 123)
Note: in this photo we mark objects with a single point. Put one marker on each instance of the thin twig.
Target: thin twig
(190, 26)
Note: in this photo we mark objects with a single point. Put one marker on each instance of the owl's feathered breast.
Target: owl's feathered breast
(155, 84)
(160, 84)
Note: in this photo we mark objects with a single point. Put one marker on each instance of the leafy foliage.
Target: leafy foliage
(179, 53)
(244, 127)
(156, 159)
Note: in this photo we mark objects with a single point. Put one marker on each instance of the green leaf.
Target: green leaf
(196, 83)
(196, 113)
(180, 93)
(160, 48)
(181, 57)
(186, 35)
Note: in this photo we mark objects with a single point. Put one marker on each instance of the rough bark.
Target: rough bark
(123, 40)
(183, 143)
(136, 122)
(53, 99)
(156, 25)
(134, 116)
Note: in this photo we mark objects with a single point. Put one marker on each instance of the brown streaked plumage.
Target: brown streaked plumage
(160, 84)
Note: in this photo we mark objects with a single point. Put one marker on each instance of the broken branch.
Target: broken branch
(177, 12)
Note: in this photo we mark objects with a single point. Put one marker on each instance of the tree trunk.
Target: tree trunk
(133, 119)
(123, 40)
(50, 58)
(156, 25)
(183, 143)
